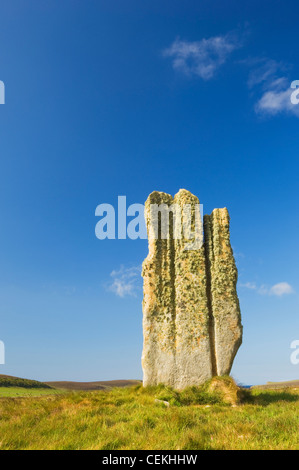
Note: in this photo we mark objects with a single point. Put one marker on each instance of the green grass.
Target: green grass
(14, 392)
(131, 418)
(17, 387)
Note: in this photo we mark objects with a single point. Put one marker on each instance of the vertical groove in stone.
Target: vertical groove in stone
(209, 258)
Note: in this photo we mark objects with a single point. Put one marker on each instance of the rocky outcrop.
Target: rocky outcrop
(191, 316)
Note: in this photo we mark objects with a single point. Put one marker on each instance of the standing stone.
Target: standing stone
(223, 276)
(191, 316)
(193, 354)
(158, 356)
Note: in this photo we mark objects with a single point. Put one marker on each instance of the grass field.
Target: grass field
(15, 392)
(17, 387)
(133, 418)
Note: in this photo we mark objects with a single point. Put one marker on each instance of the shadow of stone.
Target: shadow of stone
(267, 398)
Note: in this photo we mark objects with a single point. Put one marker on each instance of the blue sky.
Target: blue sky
(122, 98)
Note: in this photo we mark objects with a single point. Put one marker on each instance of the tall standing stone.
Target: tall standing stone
(193, 353)
(158, 356)
(191, 316)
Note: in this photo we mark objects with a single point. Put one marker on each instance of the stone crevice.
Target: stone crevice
(208, 232)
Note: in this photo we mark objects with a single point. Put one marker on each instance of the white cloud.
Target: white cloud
(277, 100)
(263, 290)
(263, 70)
(249, 285)
(279, 289)
(238, 254)
(201, 58)
(282, 288)
(274, 88)
(125, 281)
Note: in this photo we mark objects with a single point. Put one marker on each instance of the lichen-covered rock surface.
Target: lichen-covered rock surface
(191, 315)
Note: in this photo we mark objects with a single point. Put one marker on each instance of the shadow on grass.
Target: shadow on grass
(267, 398)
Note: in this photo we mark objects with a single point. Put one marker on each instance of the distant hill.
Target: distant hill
(102, 385)
(277, 385)
(9, 381)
